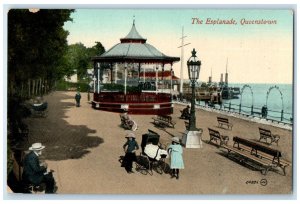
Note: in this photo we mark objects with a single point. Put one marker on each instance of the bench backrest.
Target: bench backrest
(214, 133)
(222, 119)
(164, 117)
(265, 132)
(257, 146)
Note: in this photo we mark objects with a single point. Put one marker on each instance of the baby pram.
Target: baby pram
(39, 110)
(153, 154)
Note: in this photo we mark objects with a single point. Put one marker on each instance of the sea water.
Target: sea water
(277, 97)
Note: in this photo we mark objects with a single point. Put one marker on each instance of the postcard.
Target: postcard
(150, 101)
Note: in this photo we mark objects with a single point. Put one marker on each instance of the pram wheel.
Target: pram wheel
(143, 165)
(141, 169)
(158, 168)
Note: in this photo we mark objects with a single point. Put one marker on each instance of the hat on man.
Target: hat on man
(175, 139)
(36, 146)
(130, 135)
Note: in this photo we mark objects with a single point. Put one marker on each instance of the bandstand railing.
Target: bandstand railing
(120, 97)
(150, 103)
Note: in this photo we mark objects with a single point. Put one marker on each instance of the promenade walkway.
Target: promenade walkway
(83, 146)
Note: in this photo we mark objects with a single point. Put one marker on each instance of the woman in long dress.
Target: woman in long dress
(175, 151)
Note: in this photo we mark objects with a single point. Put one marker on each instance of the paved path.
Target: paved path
(83, 146)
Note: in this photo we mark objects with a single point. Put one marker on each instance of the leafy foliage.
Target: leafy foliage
(78, 58)
(36, 44)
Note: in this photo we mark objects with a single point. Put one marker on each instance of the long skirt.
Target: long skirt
(129, 158)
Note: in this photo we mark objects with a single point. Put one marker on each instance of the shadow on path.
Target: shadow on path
(62, 140)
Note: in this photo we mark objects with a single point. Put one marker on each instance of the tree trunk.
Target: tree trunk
(40, 87)
(28, 88)
(33, 87)
(22, 94)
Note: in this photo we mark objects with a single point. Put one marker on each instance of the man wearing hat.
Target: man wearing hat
(36, 173)
(175, 151)
(129, 147)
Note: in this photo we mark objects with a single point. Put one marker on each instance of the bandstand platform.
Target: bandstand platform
(145, 103)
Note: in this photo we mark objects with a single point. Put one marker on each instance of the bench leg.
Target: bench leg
(283, 169)
(265, 171)
(228, 152)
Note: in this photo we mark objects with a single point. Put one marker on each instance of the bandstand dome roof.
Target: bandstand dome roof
(133, 48)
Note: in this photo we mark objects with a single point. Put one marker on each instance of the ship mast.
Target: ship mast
(226, 74)
(182, 60)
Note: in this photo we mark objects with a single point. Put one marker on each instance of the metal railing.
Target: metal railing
(272, 115)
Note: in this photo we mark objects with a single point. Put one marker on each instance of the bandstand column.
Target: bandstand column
(162, 71)
(171, 80)
(98, 79)
(116, 73)
(94, 80)
(125, 81)
(144, 74)
(111, 73)
(156, 79)
(139, 70)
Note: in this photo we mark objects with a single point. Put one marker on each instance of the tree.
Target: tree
(78, 58)
(36, 46)
(96, 50)
(37, 43)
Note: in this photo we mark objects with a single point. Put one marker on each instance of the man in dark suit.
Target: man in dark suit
(36, 173)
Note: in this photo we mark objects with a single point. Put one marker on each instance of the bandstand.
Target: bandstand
(121, 78)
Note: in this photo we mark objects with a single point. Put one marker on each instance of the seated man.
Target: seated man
(35, 172)
(126, 120)
(185, 113)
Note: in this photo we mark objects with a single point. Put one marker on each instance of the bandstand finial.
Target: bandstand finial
(133, 19)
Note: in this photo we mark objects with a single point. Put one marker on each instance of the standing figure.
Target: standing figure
(129, 147)
(264, 111)
(175, 151)
(35, 172)
(77, 98)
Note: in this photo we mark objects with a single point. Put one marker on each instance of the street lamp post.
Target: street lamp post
(192, 136)
(194, 69)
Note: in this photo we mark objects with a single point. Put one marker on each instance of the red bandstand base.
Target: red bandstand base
(143, 103)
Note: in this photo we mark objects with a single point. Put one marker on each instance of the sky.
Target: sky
(256, 53)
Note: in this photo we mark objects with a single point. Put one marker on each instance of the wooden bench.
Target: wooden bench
(164, 121)
(257, 155)
(266, 134)
(215, 135)
(224, 121)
